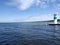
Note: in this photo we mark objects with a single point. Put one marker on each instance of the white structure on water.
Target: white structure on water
(55, 19)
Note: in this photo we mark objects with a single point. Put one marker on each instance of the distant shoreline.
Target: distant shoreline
(32, 21)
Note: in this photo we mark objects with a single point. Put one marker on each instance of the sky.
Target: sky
(28, 10)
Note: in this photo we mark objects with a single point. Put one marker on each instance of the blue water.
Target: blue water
(29, 34)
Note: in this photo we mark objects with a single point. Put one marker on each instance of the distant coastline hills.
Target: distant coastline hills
(47, 21)
(53, 20)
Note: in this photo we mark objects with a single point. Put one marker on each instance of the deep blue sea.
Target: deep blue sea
(29, 34)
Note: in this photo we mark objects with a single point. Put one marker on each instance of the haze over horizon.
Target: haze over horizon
(28, 10)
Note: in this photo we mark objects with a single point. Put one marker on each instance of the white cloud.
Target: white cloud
(38, 2)
(25, 4)
(21, 4)
(42, 3)
(42, 18)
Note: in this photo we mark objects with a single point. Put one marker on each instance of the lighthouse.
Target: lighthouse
(55, 19)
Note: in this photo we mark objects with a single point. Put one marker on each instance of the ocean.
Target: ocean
(29, 34)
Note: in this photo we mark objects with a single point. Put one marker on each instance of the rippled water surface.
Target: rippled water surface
(29, 34)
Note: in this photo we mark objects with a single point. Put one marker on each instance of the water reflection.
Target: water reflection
(55, 31)
(56, 35)
(56, 27)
